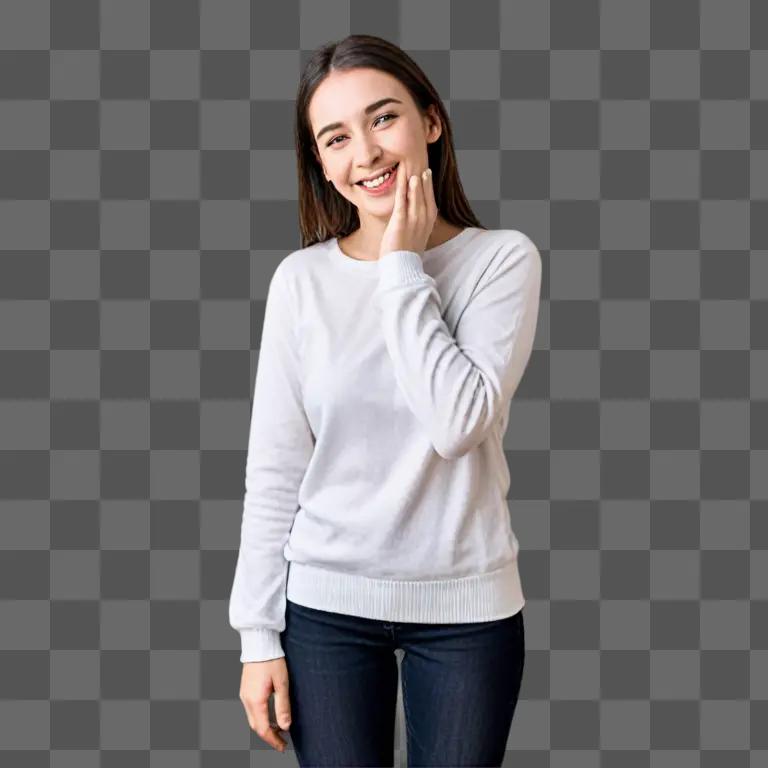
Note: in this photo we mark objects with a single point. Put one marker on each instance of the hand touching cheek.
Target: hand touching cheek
(413, 214)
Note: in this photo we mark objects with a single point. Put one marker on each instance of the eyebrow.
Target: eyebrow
(370, 108)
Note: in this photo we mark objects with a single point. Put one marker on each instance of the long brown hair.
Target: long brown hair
(323, 212)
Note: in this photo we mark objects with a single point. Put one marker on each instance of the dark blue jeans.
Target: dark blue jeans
(460, 688)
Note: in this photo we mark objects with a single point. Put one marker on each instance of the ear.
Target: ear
(434, 124)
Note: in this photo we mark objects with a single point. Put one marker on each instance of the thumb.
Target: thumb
(282, 703)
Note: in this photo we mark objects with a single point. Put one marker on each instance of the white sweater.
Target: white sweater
(376, 481)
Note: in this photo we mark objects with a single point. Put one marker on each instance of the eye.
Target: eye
(380, 117)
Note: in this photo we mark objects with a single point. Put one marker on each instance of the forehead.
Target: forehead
(342, 96)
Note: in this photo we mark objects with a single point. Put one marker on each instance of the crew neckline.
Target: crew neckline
(370, 266)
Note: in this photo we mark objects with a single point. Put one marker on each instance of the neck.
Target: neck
(367, 238)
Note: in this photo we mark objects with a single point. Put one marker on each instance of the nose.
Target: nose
(369, 151)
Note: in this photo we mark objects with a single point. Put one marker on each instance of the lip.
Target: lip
(382, 189)
(376, 175)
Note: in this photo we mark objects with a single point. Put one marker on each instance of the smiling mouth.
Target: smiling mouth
(389, 170)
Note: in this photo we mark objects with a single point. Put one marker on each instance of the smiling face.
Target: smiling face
(353, 144)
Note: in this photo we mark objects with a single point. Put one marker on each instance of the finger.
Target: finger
(413, 197)
(282, 703)
(259, 715)
(421, 208)
(429, 192)
(400, 192)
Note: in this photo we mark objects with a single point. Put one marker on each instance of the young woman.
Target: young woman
(375, 513)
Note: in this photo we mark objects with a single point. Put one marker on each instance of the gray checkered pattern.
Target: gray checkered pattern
(147, 192)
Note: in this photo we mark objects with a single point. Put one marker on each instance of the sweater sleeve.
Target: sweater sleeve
(457, 387)
(280, 445)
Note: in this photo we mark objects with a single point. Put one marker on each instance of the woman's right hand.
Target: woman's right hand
(259, 680)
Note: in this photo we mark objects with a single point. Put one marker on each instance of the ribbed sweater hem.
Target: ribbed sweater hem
(480, 597)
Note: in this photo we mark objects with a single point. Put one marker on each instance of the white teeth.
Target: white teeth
(377, 182)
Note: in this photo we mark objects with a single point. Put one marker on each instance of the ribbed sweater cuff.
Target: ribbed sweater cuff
(260, 645)
(400, 267)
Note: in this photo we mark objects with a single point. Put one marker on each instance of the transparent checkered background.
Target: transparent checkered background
(147, 192)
